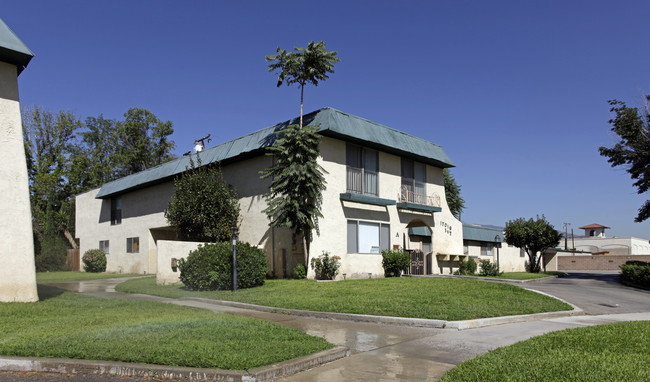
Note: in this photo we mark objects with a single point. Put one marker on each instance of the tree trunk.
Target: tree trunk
(68, 236)
(304, 247)
(302, 89)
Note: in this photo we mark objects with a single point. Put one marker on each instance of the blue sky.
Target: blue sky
(514, 91)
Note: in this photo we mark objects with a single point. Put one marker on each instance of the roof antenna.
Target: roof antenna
(199, 144)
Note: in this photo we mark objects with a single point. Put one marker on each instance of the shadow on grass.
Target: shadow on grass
(46, 292)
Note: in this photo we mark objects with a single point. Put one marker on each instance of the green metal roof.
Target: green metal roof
(333, 123)
(12, 50)
(477, 232)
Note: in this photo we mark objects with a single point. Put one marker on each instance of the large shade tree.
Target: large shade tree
(632, 151)
(533, 236)
(297, 180)
(66, 157)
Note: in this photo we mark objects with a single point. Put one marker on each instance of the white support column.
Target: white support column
(17, 272)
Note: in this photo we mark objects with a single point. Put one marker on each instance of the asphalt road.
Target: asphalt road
(595, 292)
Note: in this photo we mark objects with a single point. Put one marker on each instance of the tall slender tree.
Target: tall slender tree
(297, 178)
(452, 193)
(303, 66)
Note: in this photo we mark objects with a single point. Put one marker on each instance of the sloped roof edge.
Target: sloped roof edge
(332, 123)
(12, 50)
(483, 233)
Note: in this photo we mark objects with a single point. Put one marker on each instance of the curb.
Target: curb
(493, 279)
(124, 369)
(401, 321)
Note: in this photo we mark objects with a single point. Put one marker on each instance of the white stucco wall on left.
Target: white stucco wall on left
(17, 273)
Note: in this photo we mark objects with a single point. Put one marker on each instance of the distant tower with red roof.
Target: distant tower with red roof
(594, 230)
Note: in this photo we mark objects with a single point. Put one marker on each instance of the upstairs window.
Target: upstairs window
(414, 181)
(362, 170)
(116, 211)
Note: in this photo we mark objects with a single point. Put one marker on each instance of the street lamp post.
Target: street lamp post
(497, 239)
(234, 232)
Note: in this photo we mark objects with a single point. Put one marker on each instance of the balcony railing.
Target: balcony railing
(408, 196)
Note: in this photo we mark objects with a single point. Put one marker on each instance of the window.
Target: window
(414, 181)
(362, 169)
(522, 253)
(367, 237)
(486, 249)
(133, 245)
(103, 245)
(116, 211)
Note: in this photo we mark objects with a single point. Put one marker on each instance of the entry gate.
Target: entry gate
(417, 263)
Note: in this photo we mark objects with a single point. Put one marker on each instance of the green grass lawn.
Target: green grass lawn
(433, 298)
(612, 352)
(51, 277)
(83, 327)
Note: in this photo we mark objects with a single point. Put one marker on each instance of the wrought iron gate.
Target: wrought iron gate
(417, 263)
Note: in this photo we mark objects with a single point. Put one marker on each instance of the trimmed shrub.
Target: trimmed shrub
(50, 254)
(94, 261)
(209, 267)
(637, 273)
(489, 268)
(326, 267)
(467, 267)
(395, 261)
(299, 272)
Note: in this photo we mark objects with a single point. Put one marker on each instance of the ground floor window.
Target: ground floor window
(132, 245)
(522, 253)
(103, 245)
(367, 237)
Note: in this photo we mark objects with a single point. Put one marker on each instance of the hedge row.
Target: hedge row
(636, 272)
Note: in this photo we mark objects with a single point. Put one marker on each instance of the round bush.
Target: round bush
(94, 261)
(209, 267)
(395, 261)
(467, 267)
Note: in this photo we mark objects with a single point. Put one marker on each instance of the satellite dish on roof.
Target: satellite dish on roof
(198, 147)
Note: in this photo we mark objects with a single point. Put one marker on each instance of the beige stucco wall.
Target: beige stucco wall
(446, 229)
(167, 250)
(17, 273)
(142, 210)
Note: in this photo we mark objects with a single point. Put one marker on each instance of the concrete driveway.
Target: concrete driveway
(382, 352)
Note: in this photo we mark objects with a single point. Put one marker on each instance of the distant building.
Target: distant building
(595, 241)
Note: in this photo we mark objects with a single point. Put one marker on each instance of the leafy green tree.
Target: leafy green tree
(297, 182)
(452, 193)
(297, 179)
(633, 149)
(143, 141)
(303, 66)
(48, 147)
(533, 236)
(203, 207)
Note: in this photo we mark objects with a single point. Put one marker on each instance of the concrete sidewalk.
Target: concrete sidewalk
(384, 350)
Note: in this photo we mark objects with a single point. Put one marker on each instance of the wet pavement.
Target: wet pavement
(381, 352)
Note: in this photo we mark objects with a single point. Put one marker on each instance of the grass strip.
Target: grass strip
(83, 327)
(612, 352)
(48, 277)
(432, 298)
